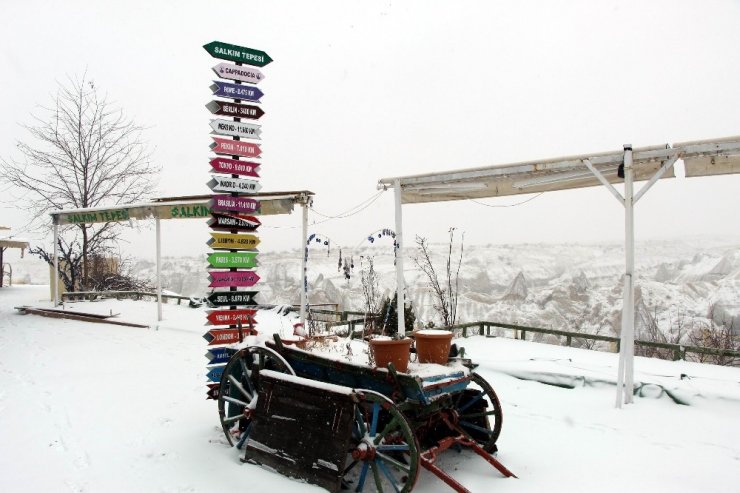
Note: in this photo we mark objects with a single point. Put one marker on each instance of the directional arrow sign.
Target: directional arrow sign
(220, 355)
(227, 241)
(233, 279)
(214, 390)
(234, 53)
(235, 147)
(233, 298)
(230, 260)
(237, 185)
(234, 167)
(235, 72)
(236, 129)
(215, 373)
(217, 337)
(232, 317)
(229, 203)
(234, 221)
(236, 110)
(223, 89)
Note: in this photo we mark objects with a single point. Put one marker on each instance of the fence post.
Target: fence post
(488, 330)
(481, 328)
(568, 340)
(465, 331)
(524, 335)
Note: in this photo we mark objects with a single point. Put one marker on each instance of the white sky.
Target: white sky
(364, 90)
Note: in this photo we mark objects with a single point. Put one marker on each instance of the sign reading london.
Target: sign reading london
(235, 72)
(234, 53)
(223, 89)
(236, 129)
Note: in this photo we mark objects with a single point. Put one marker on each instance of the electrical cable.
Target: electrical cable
(506, 205)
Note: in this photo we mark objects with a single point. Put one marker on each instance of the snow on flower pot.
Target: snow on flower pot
(387, 350)
(433, 345)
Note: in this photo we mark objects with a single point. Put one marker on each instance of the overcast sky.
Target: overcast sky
(364, 90)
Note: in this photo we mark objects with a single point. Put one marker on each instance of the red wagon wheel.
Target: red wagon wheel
(384, 451)
(479, 413)
(240, 384)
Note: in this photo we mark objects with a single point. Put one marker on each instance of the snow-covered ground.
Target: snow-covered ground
(95, 407)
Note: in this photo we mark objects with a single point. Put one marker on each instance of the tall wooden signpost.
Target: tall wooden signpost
(234, 169)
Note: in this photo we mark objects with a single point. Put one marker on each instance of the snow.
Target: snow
(95, 407)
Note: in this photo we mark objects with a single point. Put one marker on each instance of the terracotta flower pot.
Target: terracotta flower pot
(433, 346)
(386, 351)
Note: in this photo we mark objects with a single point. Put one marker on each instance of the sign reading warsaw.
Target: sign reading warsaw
(235, 147)
(232, 260)
(235, 72)
(229, 298)
(234, 167)
(229, 203)
(234, 221)
(234, 53)
(248, 111)
(230, 241)
(236, 91)
(237, 185)
(236, 129)
(235, 279)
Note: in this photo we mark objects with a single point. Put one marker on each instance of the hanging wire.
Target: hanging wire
(506, 205)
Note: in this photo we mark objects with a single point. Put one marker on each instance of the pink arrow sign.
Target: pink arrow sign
(235, 147)
(220, 279)
(229, 203)
(235, 167)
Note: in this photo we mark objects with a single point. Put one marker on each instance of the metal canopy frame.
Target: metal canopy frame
(700, 158)
(185, 207)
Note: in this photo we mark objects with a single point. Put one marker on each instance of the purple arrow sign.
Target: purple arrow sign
(236, 91)
(229, 203)
(227, 279)
(236, 72)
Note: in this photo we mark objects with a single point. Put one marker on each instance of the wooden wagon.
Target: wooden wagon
(346, 426)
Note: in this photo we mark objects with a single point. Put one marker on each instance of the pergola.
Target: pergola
(6, 243)
(187, 207)
(700, 158)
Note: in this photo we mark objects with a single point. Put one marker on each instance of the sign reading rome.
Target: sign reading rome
(223, 89)
(234, 53)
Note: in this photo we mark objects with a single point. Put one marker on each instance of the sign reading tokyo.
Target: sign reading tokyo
(234, 167)
(235, 72)
(223, 89)
(234, 53)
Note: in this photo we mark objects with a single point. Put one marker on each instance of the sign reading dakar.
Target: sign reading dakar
(96, 217)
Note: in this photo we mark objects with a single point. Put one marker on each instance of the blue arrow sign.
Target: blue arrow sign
(220, 355)
(236, 91)
(214, 375)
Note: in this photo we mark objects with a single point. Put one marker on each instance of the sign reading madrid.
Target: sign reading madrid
(234, 53)
(236, 185)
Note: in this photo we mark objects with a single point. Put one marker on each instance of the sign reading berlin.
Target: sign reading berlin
(234, 53)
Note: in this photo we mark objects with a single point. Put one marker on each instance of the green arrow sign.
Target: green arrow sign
(227, 260)
(234, 53)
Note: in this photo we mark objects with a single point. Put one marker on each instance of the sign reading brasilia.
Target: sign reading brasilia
(233, 222)
(233, 298)
(236, 185)
(233, 260)
(227, 241)
(235, 72)
(235, 279)
(223, 89)
(229, 203)
(236, 129)
(235, 147)
(235, 167)
(236, 110)
(234, 53)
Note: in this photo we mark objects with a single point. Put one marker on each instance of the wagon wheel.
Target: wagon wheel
(479, 412)
(382, 444)
(239, 387)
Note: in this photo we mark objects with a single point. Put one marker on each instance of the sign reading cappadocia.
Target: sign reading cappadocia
(232, 211)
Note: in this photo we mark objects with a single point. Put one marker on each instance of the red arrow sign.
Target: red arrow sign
(213, 391)
(236, 279)
(232, 317)
(222, 336)
(234, 167)
(233, 222)
(235, 147)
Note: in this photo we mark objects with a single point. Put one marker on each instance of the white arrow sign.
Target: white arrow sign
(236, 129)
(243, 73)
(238, 185)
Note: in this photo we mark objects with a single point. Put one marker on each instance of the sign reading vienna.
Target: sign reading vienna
(234, 53)
(235, 72)
(236, 110)
(235, 147)
(231, 317)
(232, 260)
(223, 89)
(234, 167)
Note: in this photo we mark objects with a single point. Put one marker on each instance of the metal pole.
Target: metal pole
(55, 278)
(629, 312)
(304, 252)
(159, 270)
(400, 283)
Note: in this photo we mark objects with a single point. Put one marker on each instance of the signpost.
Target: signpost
(234, 222)
(229, 203)
(232, 317)
(219, 355)
(234, 167)
(247, 111)
(227, 241)
(236, 279)
(234, 53)
(235, 147)
(236, 185)
(232, 260)
(215, 373)
(216, 337)
(235, 72)
(223, 89)
(232, 298)
(236, 129)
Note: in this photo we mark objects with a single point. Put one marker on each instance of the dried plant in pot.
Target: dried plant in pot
(384, 350)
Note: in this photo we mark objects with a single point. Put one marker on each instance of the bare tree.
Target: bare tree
(715, 335)
(83, 153)
(446, 291)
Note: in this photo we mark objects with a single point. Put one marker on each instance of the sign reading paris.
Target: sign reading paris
(234, 53)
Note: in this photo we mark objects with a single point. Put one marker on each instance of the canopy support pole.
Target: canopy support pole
(159, 269)
(627, 344)
(400, 282)
(304, 250)
(55, 277)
